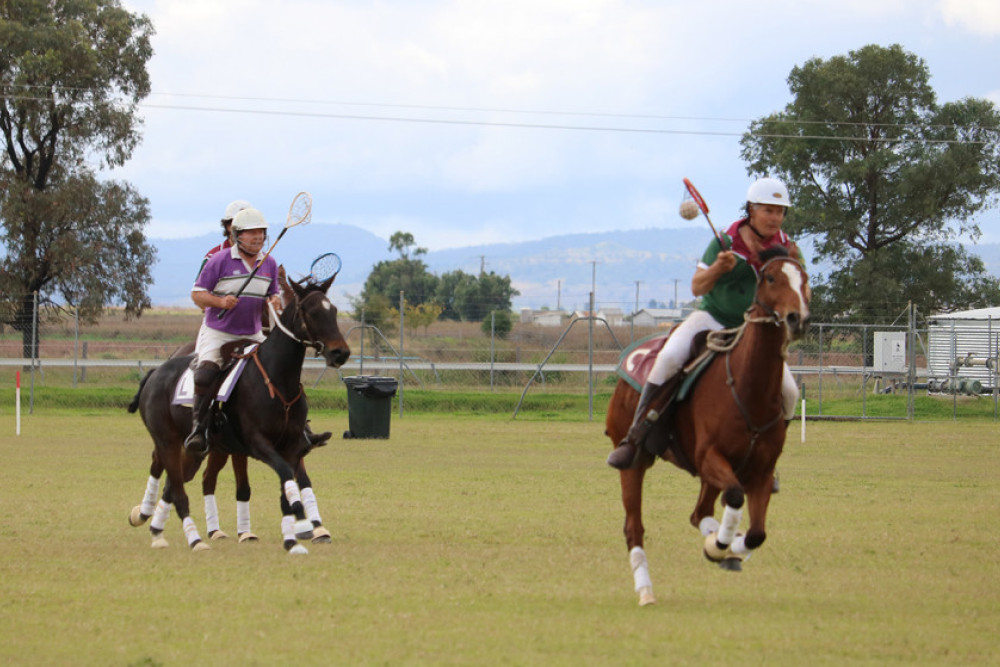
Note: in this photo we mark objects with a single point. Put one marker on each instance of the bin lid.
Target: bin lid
(372, 386)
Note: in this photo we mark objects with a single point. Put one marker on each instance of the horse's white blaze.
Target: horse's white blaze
(794, 275)
(326, 304)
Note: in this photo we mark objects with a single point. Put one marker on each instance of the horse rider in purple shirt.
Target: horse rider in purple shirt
(215, 292)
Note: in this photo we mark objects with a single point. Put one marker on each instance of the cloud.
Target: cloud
(979, 16)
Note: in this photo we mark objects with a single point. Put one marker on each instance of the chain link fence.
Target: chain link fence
(936, 368)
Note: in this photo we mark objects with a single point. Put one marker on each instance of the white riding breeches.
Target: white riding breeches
(676, 350)
(210, 341)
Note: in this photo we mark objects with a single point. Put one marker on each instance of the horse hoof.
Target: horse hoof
(646, 596)
(712, 550)
(298, 550)
(247, 537)
(136, 517)
(159, 543)
(732, 564)
(200, 546)
(218, 535)
(321, 536)
(303, 529)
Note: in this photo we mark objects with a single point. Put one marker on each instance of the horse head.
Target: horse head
(783, 291)
(311, 319)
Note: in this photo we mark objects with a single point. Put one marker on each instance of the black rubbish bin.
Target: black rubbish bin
(369, 406)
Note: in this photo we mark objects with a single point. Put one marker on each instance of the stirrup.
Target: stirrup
(196, 443)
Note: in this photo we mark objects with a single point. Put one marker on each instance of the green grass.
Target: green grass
(464, 540)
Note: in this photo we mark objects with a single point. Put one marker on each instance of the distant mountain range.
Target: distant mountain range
(554, 272)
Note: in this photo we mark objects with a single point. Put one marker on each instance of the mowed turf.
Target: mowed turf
(465, 540)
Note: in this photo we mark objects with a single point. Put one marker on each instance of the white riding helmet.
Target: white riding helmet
(248, 218)
(234, 208)
(768, 191)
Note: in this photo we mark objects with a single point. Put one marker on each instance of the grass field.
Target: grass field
(482, 540)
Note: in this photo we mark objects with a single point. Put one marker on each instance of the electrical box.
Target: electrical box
(890, 352)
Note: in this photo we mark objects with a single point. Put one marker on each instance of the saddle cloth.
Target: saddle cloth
(184, 391)
(637, 360)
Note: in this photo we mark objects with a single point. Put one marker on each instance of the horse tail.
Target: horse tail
(134, 405)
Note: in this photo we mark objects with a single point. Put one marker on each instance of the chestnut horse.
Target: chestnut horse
(728, 430)
(264, 417)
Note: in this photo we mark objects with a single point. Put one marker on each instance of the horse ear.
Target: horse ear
(326, 284)
(286, 290)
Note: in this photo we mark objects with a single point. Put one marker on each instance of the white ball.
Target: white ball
(689, 210)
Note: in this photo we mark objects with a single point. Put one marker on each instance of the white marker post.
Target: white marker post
(17, 404)
(803, 414)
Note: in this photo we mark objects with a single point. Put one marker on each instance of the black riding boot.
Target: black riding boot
(625, 455)
(316, 439)
(204, 384)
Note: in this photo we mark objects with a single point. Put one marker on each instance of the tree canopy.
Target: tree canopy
(885, 181)
(71, 77)
(455, 295)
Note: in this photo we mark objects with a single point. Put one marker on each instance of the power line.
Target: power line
(553, 126)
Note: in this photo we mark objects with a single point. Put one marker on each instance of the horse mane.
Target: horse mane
(768, 254)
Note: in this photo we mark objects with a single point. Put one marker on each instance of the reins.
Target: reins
(271, 388)
(725, 341)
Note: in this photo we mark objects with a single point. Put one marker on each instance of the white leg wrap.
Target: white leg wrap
(292, 492)
(152, 493)
(640, 568)
(211, 514)
(739, 546)
(242, 517)
(190, 531)
(708, 525)
(288, 527)
(730, 522)
(160, 515)
(309, 501)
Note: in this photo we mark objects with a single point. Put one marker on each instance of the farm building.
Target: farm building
(964, 345)
(658, 317)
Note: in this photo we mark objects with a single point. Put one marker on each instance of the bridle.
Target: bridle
(311, 340)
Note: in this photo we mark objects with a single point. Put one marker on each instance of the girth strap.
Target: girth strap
(274, 391)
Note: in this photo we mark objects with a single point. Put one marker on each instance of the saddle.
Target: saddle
(634, 367)
(234, 355)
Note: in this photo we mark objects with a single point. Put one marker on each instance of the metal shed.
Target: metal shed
(964, 346)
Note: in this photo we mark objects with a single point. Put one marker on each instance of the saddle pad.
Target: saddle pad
(637, 360)
(184, 391)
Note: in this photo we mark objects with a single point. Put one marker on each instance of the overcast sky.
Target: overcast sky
(480, 121)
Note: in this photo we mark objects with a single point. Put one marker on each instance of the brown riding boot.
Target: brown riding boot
(625, 455)
(204, 384)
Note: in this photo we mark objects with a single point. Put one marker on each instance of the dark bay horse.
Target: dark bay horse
(730, 428)
(264, 417)
(216, 461)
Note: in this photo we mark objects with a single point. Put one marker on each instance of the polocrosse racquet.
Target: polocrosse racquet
(324, 268)
(696, 196)
(299, 213)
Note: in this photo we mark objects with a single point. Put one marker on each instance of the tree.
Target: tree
(473, 298)
(498, 323)
(885, 180)
(380, 294)
(71, 77)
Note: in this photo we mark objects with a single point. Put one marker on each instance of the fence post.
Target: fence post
(34, 349)
(912, 366)
(402, 307)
